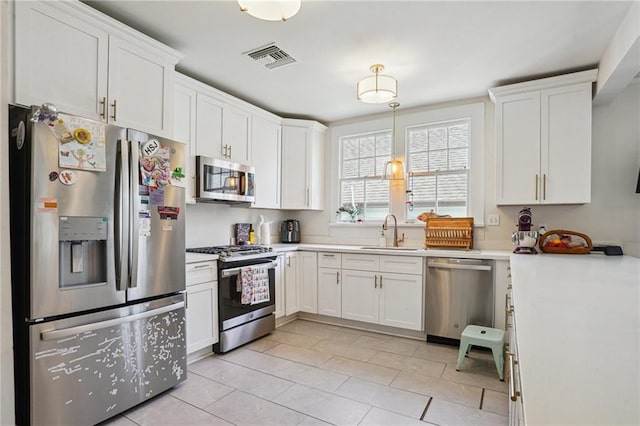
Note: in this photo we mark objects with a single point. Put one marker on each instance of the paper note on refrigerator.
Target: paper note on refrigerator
(81, 143)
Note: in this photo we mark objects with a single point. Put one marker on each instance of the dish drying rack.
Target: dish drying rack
(449, 232)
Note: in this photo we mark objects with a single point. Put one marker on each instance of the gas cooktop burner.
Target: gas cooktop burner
(227, 252)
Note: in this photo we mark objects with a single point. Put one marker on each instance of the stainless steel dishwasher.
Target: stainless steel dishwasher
(459, 292)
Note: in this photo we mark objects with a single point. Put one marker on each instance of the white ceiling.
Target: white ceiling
(437, 50)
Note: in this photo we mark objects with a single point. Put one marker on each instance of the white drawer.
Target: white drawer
(201, 272)
(361, 262)
(401, 264)
(329, 260)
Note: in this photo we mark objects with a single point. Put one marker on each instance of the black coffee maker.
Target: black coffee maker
(290, 231)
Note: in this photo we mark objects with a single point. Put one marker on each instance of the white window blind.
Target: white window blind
(362, 163)
(438, 166)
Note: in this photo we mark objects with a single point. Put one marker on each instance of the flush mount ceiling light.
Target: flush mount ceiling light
(270, 10)
(394, 169)
(378, 88)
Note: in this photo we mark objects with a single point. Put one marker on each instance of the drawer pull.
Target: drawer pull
(202, 266)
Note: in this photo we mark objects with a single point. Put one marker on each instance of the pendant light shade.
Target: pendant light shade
(394, 169)
(270, 10)
(378, 88)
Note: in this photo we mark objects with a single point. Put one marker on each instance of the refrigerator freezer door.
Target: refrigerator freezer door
(157, 249)
(89, 368)
(71, 244)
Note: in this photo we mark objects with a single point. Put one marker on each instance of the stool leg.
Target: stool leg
(462, 352)
(498, 357)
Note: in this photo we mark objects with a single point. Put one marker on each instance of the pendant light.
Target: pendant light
(378, 88)
(270, 10)
(394, 169)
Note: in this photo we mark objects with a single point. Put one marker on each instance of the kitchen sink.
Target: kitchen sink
(391, 248)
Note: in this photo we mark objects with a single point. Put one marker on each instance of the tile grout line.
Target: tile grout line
(426, 407)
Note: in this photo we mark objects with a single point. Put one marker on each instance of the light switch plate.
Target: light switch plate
(493, 220)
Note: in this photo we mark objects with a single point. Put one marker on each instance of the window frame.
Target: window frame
(439, 173)
(474, 110)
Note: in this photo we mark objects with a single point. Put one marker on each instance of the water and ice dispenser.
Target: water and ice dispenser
(83, 251)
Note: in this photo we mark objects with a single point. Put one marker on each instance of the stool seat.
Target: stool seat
(486, 337)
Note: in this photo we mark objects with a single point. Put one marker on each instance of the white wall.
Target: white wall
(212, 224)
(613, 216)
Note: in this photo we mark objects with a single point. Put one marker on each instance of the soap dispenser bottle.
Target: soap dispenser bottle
(382, 241)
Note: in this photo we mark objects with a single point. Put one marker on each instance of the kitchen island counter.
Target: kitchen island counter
(578, 335)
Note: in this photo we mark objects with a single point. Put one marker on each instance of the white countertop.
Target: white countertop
(469, 254)
(578, 335)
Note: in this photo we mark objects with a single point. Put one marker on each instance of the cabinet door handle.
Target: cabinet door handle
(114, 110)
(208, 266)
(307, 197)
(380, 281)
(186, 300)
(103, 102)
(230, 151)
(536, 187)
(337, 277)
(375, 285)
(544, 186)
(513, 392)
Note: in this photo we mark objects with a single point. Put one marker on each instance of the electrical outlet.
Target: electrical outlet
(493, 220)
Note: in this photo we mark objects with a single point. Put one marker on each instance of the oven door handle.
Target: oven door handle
(235, 271)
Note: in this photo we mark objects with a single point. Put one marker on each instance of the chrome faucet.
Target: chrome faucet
(395, 229)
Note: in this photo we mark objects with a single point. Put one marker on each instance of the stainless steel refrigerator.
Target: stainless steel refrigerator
(97, 247)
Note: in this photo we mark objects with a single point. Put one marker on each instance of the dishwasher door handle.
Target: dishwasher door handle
(458, 266)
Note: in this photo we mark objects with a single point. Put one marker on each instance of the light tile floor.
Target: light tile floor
(306, 373)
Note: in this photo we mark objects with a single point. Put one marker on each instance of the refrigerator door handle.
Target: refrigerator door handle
(121, 229)
(134, 199)
(72, 331)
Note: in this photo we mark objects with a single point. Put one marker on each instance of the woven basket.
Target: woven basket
(558, 233)
(449, 232)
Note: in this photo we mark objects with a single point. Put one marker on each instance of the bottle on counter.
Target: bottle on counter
(382, 241)
(252, 235)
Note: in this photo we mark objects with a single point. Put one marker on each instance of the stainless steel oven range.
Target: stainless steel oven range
(242, 321)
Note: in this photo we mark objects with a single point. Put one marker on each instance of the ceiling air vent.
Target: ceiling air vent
(271, 56)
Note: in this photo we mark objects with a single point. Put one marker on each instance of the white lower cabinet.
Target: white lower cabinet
(291, 293)
(201, 305)
(329, 292)
(360, 295)
(377, 293)
(308, 281)
(516, 406)
(400, 300)
(280, 291)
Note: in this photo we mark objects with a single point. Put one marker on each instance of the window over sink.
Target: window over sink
(443, 150)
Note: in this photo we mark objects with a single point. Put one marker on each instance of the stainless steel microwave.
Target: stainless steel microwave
(224, 181)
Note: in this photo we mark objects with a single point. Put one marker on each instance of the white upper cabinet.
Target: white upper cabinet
(184, 130)
(236, 130)
(543, 140)
(88, 64)
(222, 125)
(265, 157)
(209, 126)
(302, 165)
(140, 88)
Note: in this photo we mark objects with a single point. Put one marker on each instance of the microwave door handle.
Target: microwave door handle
(121, 228)
(134, 199)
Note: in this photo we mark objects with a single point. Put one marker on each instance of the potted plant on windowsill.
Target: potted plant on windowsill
(352, 212)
